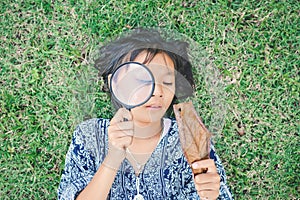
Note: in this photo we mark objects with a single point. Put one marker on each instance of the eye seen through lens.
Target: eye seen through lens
(132, 84)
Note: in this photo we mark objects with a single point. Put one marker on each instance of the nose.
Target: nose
(158, 91)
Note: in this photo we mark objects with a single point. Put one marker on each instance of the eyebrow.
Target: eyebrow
(170, 72)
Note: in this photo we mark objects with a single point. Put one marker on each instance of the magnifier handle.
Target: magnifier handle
(124, 118)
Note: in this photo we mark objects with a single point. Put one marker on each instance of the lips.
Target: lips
(154, 106)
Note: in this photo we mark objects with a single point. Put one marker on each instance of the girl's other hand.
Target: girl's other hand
(120, 133)
(207, 184)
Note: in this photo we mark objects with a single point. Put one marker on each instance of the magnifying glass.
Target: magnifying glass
(132, 84)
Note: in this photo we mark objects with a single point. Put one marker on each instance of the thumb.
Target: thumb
(122, 115)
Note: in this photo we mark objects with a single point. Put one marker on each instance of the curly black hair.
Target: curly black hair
(128, 47)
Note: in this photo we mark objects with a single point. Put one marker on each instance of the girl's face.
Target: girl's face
(163, 71)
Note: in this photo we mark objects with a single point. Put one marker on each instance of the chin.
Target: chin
(148, 116)
(151, 118)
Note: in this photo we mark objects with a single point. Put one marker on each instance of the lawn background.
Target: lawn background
(254, 44)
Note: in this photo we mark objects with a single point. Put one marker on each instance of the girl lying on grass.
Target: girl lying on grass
(137, 153)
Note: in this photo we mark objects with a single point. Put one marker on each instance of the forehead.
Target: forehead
(160, 61)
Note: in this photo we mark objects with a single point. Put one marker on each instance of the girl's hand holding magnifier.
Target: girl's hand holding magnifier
(120, 133)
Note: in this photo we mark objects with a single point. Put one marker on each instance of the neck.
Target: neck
(147, 130)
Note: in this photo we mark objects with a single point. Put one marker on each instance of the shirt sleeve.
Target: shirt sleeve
(224, 193)
(79, 168)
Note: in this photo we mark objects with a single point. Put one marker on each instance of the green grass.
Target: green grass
(254, 44)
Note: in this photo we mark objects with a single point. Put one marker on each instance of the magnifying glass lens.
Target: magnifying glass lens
(132, 84)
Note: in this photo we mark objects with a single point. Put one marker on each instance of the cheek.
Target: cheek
(169, 93)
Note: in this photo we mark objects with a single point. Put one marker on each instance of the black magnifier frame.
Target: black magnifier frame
(127, 106)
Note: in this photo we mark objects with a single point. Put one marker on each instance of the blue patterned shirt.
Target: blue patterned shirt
(166, 175)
